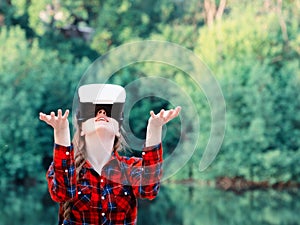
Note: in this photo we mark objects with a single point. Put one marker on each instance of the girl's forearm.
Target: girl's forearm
(153, 136)
(62, 137)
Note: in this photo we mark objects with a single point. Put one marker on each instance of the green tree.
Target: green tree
(31, 80)
(256, 65)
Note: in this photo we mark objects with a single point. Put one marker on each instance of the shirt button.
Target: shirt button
(67, 153)
(101, 180)
(103, 214)
(143, 153)
(66, 171)
(125, 193)
(79, 192)
(102, 197)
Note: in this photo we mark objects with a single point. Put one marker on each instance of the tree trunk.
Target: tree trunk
(210, 10)
(221, 9)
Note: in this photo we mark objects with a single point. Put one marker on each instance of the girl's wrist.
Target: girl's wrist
(153, 135)
(62, 136)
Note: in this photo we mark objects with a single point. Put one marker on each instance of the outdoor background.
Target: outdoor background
(252, 48)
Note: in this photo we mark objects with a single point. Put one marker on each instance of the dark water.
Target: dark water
(175, 205)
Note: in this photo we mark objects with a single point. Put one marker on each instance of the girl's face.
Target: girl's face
(101, 124)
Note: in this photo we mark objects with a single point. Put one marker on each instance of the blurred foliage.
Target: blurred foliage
(253, 49)
(259, 73)
(32, 80)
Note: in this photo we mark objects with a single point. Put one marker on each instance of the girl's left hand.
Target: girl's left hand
(163, 117)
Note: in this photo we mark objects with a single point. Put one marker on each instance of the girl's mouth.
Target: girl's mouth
(101, 118)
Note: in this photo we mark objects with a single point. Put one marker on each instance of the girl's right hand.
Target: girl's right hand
(60, 125)
(59, 122)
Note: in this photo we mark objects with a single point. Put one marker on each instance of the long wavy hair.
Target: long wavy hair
(78, 142)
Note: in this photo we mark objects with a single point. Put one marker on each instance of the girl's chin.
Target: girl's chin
(104, 129)
(100, 128)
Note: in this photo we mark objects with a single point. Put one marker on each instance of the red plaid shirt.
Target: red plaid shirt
(109, 198)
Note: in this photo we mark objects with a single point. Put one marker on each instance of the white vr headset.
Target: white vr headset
(93, 97)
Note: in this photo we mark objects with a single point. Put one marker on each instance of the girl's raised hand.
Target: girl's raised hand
(59, 122)
(163, 117)
(60, 125)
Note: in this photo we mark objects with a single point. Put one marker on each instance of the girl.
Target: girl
(92, 183)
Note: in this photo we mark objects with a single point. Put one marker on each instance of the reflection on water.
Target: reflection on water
(175, 205)
(26, 206)
(182, 205)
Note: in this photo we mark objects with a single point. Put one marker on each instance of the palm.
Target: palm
(164, 116)
(58, 122)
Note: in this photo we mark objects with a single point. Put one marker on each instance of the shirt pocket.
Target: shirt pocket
(83, 202)
(123, 198)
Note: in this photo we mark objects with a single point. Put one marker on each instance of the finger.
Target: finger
(59, 114)
(42, 116)
(65, 116)
(152, 114)
(161, 113)
(52, 114)
(177, 111)
(169, 114)
(45, 118)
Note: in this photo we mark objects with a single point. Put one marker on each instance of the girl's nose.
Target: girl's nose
(101, 112)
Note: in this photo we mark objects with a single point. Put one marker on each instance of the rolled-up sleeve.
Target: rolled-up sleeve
(61, 175)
